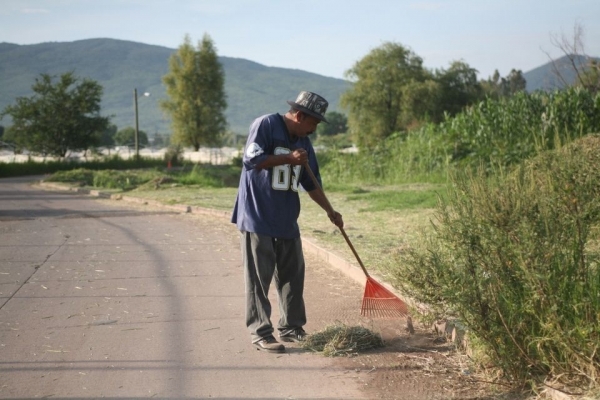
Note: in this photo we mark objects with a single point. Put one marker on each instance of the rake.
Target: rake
(377, 300)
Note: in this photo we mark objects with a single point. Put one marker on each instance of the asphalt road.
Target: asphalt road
(105, 299)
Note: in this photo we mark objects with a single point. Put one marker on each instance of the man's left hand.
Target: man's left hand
(336, 219)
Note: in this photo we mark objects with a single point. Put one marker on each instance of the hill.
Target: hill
(544, 77)
(120, 66)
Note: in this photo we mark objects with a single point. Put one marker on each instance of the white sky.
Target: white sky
(325, 37)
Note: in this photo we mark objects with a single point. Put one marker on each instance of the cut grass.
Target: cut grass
(342, 340)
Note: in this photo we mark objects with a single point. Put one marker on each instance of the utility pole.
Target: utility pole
(137, 126)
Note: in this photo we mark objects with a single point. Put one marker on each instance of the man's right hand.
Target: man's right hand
(298, 157)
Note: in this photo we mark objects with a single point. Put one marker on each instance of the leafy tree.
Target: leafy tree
(1, 131)
(514, 83)
(195, 87)
(377, 101)
(160, 140)
(458, 87)
(126, 137)
(9, 141)
(497, 87)
(59, 117)
(338, 123)
(107, 136)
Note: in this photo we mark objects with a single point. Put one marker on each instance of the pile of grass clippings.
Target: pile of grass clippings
(342, 340)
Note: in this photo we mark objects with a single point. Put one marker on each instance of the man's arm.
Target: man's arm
(319, 197)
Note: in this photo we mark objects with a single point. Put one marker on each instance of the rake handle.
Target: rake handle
(330, 210)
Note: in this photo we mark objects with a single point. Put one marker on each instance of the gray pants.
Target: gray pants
(266, 257)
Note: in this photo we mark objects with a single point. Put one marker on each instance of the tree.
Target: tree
(107, 136)
(126, 137)
(338, 123)
(514, 83)
(59, 117)
(458, 87)
(585, 68)
(195, 87)
(497, 87)
(160, 141)
(376, 101)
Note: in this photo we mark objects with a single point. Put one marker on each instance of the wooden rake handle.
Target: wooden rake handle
(330, 210)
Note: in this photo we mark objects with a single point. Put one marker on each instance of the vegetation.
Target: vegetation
(196, 97)
(204, 175)
(50, 167)
(514, 246)
(393, 93)
(497, 87)
(504, 131)
(515, 256)
(336, 123)
(382, 100)
(126, 137)
(575, 67)
(60, 117)
(342, 340)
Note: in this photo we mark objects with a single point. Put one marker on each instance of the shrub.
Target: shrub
(80, 175)
(123, 180)
(516, 257)
(211, 176)
(174, 155)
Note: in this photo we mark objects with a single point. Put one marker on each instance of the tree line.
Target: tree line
(392, 92)
(63, 115)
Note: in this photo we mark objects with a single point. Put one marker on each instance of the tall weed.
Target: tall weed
(494, 132)
(515, 256)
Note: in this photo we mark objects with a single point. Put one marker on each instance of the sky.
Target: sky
(326, 37)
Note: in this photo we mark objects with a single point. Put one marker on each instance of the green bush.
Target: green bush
(494, 132)
(84, 177)
(174, 155)
(211, 176)
(516, 258)
(48, 167)
(123, 180)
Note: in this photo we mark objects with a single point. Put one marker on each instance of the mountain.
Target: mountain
(120, 66)
(545, 77)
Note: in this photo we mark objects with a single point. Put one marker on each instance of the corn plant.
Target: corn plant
(493, 132)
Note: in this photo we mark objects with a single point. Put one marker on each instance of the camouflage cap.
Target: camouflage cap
(311, 104)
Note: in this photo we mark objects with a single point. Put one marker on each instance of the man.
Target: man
(266, 213)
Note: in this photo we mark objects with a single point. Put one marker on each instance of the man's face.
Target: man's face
(307, 124)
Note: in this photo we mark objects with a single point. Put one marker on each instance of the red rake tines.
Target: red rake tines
(378, 301)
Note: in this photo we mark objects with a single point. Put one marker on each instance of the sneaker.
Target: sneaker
(295, 335)
(270, 344)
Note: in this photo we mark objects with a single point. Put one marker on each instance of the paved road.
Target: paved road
(100, 298)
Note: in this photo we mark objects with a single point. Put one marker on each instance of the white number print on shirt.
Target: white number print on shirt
(284, 175)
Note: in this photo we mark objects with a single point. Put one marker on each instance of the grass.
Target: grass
(381, 221)
(378, 228)
(342, 340)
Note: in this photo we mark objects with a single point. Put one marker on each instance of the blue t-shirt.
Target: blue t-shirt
(267, 201)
